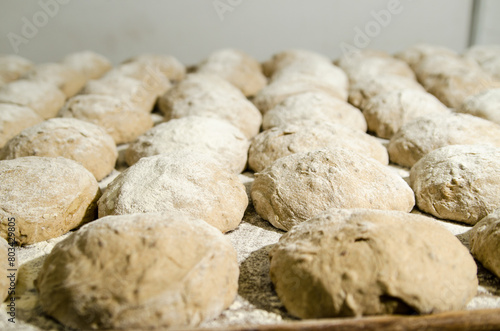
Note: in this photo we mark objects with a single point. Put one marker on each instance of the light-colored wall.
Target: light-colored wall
(488, 23)
(191, 29)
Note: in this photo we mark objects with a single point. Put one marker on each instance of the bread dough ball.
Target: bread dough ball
(71, 138)
(275, 143)
(362, 67)
(61, 197)
(211, 135)
(211, 96)
(13, 67)
(387, 112)
(413, 55)
(65, 78)
(370, 262)
(289, 57)
(14, 119)
(237, 67)
(142, 271)
(172, 68)
(44, 98)
(133, 93)
(485, 242)
(88, 63)
(312, 108)
(299, 186)
(362, 91)
(181, 180)
(485, 105)
(487, 56)
(458, 182)
(427, 133)
(111, 113)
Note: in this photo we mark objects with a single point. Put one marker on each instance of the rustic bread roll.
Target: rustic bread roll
(424, 134)
(275, 143)
(134, 94)
(210, 135)
(65, 78)
(362, 91)
(413, 55)
(283, 59)
(485, 105)
(362, 66)
(61, 197)
(458, 182)
(44, 98)
(181, 180)
(13, 67)
(349, 60)
(387, 112)
(369, 262)
(141, 271)
(71, 138)
(211, 96)
(487, 56)
(88, 63)
(311, 108)
(299, 186)
(14, 119)
(237, 67)
(485, 242)
(111, 113)
(172, 68)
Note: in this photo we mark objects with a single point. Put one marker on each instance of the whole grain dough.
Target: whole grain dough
(227, 143)
(370, 262)
(485, 241)
(14, 119)
(211, 96)
(299, 186)
(44, 98)
(387, 112)
(363, 90)
(7, 278)
(237, 67)
(427, 133)
(88, 63)
(487, 56)
(171, 67)
(458, 182)
(47, 196)
(312, 108)
(13, 67)
(111, 113)
(77, 140)
(413, 55)
(141, 271)
(485, 105)
(181, 180)
(65, 78)
(275, 143)
(289, 57)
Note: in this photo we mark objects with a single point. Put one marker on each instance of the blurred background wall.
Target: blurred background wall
(46, 30)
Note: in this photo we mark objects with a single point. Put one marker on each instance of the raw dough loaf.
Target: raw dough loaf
(237, 67)
(44, 98)
(47, 196)
(487, 56)
(387, 112)
(142, 271)
(181, 180)
(424, 134)
(14, 119)
(211, 96)
(270, 145)
(413, 55)
(485, 105)
(299, 186)
(369, 262)
(289, 57)
(111, 113)
(71, 138)
(65, 78)
(458, 182)
(88, 63)
(172, 68)
(13, 67)
(227, 143)
(485, 242)
(311, 108)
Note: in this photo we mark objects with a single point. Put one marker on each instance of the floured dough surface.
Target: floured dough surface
(88, 63)
(14, 119)
(485, 105)
(485, 241)
(65, 78)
